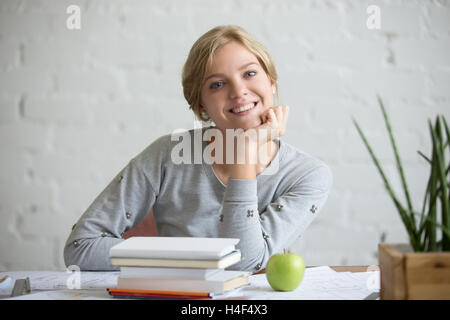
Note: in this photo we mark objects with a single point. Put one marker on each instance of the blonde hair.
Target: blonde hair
(200, 58)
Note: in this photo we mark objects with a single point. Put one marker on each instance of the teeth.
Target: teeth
(244, 108)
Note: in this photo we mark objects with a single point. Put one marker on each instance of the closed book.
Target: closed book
(173, 273)
(218, 283)
(190, 248)
(155, 294)
(222, 263)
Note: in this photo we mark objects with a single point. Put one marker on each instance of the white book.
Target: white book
(189, 248)
(168, 273)
(218, 283)
(222, 263)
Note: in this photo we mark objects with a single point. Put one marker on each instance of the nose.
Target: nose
(237, 89)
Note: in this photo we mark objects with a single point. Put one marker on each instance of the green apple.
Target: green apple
(285, 271)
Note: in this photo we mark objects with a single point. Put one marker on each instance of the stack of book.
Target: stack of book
(176, 267)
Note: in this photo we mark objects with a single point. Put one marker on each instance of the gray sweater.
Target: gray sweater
(266, 214)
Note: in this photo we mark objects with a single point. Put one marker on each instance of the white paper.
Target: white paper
(320, 283)
(51, 280)
(91, 294)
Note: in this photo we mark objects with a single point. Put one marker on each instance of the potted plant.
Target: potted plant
(420, 269)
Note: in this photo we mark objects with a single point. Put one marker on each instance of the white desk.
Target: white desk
(319, 283)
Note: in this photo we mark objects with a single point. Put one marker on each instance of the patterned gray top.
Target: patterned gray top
(266, 214)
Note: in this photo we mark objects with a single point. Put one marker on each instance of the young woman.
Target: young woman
(261, 190)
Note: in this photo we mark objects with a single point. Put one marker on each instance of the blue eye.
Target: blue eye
(216, 85)
(250, 73)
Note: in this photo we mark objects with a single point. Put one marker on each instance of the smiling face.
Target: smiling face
(236, 90)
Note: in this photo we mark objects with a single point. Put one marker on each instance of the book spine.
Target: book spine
(160, 292)
(170, 285)
(164, 254)
(177, 273)
(125, 262)
(156, 296)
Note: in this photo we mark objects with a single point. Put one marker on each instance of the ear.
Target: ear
(274, 88)
(203, 114)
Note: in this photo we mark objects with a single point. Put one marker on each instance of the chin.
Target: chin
(245, 125)
(251, 126)
(255, 124)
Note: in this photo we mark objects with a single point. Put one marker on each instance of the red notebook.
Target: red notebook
(153, 294)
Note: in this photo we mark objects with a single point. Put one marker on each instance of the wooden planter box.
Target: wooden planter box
(405, 274)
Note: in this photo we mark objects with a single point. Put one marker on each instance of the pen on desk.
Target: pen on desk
(3, 279)
(21, 287)
(27, 285)
(373, 296)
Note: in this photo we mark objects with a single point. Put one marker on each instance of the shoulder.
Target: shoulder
(157, 149)
(304, 167)
(160, 150)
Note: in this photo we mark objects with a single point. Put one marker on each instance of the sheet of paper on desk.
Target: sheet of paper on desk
(320, 283)
(51, 280)
(86, 294)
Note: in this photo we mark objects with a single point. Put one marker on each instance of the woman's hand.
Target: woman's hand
(274, 122)
(273, 125)
(257, 147)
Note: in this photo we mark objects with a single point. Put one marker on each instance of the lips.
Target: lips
(243, 107)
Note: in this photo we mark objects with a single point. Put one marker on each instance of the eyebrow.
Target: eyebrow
(221, 74)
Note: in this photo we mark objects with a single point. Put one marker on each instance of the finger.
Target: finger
(272, 116)
(265, 115)
(280, 113)
(263, 118)
(284, 120)
(285, 114)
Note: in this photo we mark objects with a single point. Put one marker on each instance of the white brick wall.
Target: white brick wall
(76, 105)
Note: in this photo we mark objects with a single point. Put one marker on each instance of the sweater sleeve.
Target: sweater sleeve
(263, 234)
(122, 205)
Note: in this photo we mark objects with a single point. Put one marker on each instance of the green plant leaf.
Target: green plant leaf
(445, 196)
(441, 168)
(445, 229)
(431, 195)
(424, 156)
(396, 153)
(407, 221)
(410, 218)
(423, 235)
